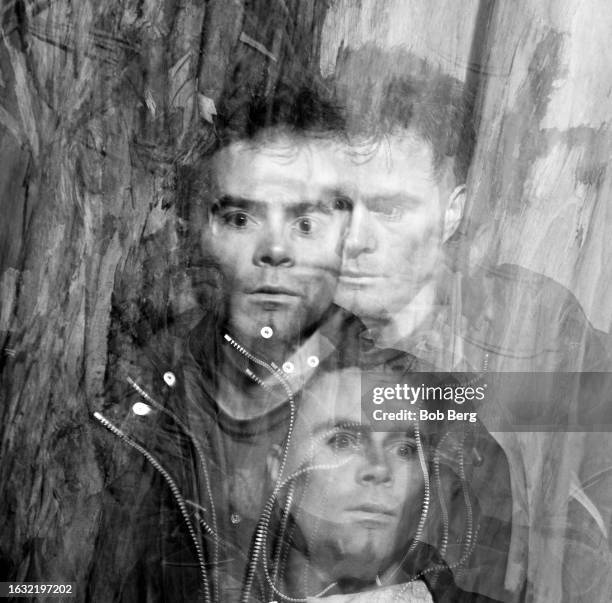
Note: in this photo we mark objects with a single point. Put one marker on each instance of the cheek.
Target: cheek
(322, 255)
(423, 229)
(323, 500)
(323, 487)
(418, 240)
(410, 485)
(229, 253)
(325, 251)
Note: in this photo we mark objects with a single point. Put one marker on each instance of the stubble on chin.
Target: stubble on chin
(358, 554)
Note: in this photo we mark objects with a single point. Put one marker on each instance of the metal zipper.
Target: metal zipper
(175, 493)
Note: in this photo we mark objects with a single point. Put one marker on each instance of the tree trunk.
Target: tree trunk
(541, 170)
(101, 104)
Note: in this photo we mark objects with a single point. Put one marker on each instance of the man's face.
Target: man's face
(276, 233)
(401, 216)
(362, 498)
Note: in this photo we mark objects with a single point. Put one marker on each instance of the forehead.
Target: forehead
(333, 401)
(331, 398)
(279, 168)
(401, 161)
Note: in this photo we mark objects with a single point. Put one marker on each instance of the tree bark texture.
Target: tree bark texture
(539, 188)
(101, 105)
(540, 183)
(538, 180)
(541, 171)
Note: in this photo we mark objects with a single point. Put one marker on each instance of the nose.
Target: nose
(375, 469)
(274, 248)
(361, 237)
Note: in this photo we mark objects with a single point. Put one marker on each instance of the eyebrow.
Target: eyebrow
(397, 198)
(348, 424)
(226, 201)
(396, 435)
(294, 207)
(340, 425)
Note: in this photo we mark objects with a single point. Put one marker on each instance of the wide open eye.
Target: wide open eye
(343, 441)
(404, 449)
(305, 225)
(342, 203)
(236, 219)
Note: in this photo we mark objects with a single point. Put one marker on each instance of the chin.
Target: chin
(366, 559)
(350, 299)
(363, 305)
(366, 543)
(285, 324)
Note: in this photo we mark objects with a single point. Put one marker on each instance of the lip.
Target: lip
(374, 509)
(271, 290)
(361, 281)
(352, 274)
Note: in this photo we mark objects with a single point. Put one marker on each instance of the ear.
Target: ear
(454, 212)
(273, 463)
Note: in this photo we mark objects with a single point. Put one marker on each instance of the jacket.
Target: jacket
(184, 479)
(524, 331)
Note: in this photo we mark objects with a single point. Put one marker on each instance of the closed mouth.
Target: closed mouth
(374, 509)
(273, 290)
(357, 275)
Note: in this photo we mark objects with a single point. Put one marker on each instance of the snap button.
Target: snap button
(169, 378)
(141, 409)
(288, 367)
(313, 361)
(267, 332)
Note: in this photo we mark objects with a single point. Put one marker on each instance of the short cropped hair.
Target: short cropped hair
(294, 111)
(434, 110)
(297, 109)
(384, 92)
(371, 95)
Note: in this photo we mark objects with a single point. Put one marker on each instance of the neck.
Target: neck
(402, 323)
(245, 388)
(325, 570)
(303, 578)
(272, 351)
(239, 390)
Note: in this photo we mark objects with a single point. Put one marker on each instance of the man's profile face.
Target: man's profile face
(362, 498)
(401, 216)
(276, 233)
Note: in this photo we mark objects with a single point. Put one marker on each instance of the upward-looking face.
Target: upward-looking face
(402, 214)
(276, 232)
(362, 497)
